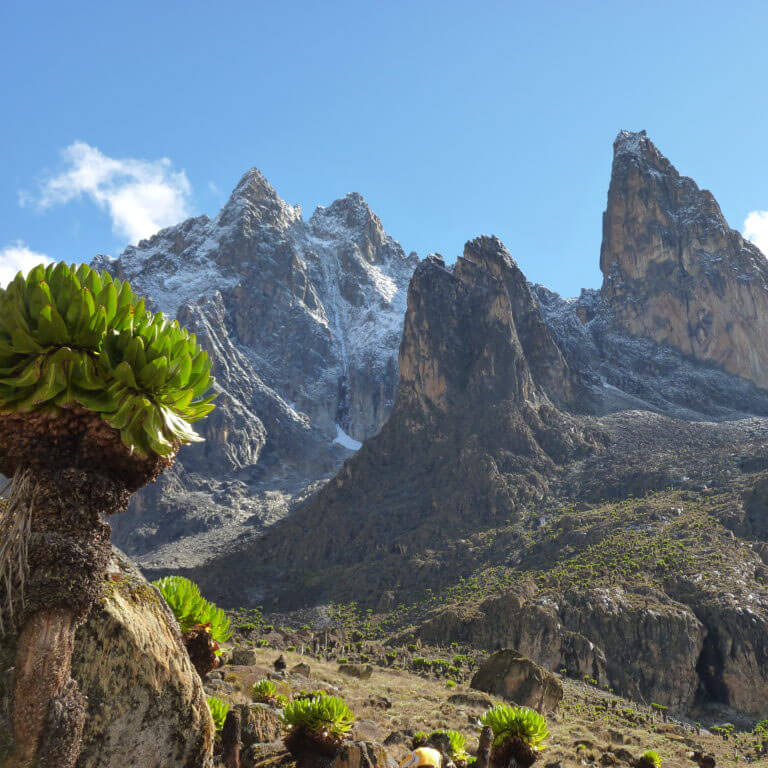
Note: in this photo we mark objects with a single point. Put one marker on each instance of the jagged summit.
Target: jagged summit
(303, 319)
(254, 201)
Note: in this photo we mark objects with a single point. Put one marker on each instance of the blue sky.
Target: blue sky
(451, 118)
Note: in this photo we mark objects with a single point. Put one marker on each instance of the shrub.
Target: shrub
(508, 722)
(192, 609)
(419, 739)
(457, 744)
(318, 724)
(219, 710)
(264, 691)
(649, 759)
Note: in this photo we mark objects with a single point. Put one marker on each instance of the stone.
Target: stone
(242, 657)
(512, 676)
(674, 271)
(259, 724)
(363, 754)
(360, 671)
(302, 668)
(702, 759)
(146, 703)
(379, 702)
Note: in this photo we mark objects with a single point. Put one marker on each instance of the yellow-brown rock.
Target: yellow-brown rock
(673, 270)
(146, 705)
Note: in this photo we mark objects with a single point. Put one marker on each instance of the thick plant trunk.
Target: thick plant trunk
(67, 552)
(48, 709)
(230, 739)
(484, 748)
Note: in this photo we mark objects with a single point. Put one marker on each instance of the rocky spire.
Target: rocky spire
(673, 270)
(472, 439)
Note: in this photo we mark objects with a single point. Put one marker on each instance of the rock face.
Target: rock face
(512, 676)
(473, 434)
(674, 271)
(303, 320)
(145, 700)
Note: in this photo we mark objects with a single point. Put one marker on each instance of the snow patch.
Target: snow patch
(343, 439)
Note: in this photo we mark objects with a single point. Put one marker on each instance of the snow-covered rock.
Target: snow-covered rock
(303, 321)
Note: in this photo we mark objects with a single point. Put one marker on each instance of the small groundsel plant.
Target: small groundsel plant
(264, 691)
(219, 710)
(649, 759)
(419, 739)
(191, 609)
(457, 744)
(203, 625)
(518, 732)
(316, 727)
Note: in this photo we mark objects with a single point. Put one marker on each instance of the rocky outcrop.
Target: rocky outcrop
(363, 754)
(674, 271)
(145, 701)
(512, 676)
(303, 320)
(472, 437)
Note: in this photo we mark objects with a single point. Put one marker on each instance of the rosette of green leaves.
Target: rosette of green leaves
(457, 743)
(508, 722)
(191, 609)
(80, 337)
(219, 710)
(320, 715)
(650, 759)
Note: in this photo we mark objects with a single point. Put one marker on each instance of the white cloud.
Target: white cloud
(17, 256)
(141, 196)
(756, 229)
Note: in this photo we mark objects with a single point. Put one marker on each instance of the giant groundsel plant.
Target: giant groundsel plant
(97, 394)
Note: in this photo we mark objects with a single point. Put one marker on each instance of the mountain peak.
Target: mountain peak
(351, 210)
(254, 201)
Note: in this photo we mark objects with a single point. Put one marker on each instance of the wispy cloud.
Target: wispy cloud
(756, 229)
(141, 196)
(18, 257)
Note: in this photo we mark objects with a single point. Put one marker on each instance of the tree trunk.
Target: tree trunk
(68, 552)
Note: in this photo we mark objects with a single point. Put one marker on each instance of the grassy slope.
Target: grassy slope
(591, 725)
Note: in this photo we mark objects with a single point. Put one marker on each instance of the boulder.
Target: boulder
(511, 675)
(146, 705)
(242, 657)
(362, 754)
(302, 668)
(259, 724)
(360, 671)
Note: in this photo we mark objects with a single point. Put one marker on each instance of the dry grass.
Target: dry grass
(590, 727)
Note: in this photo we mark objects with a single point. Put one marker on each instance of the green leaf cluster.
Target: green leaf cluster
(191, 609)
(75, 336)
(219, 710)
(508, 722)
(651, 758)
(322, 715)
(264, 691)
(457, 743)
